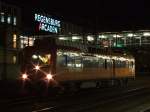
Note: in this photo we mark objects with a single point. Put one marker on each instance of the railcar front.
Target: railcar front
(38, 65)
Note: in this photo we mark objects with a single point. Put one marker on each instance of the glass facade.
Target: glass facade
(14, 21)
(109, 39)
(14, 59)
(26, 41)
(2, 18)
(14, 41)
(9, 31)
(8, 18)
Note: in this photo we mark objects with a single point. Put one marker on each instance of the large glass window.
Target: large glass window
(14, 21)
(14, 41)
(2, 17)
(90, 39)
(77, 39)
(9, 19)
(26, 41)
(14, 59)
(103, 41)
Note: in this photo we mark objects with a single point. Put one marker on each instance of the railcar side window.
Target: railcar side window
(131, 64)
(120, 64)
(62, 60)
(78, 62)
(109, 63)
(101, 62)
(70, 61)
(74, 62)
(86, 62)
(123, 64)
(90, 62)
(116, 63)
(105, 64)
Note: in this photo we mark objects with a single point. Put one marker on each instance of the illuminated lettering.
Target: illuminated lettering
(35, 17)
(49, 28)
(47, 24)
(52, 22)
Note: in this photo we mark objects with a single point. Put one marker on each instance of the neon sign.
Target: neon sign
(47, 24)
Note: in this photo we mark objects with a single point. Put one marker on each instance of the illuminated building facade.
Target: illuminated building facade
(111, 39)
(13, 37)
(44, 25)
(10, 22)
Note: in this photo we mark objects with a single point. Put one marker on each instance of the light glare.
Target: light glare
(146, 34)
(37, 67)
(24, 76)
(90, 38)
(49, 76)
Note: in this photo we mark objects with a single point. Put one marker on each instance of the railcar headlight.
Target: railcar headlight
(49, 77)
(37, 67)
(24, 76)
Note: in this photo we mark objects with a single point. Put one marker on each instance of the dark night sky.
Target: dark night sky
(104, 15)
